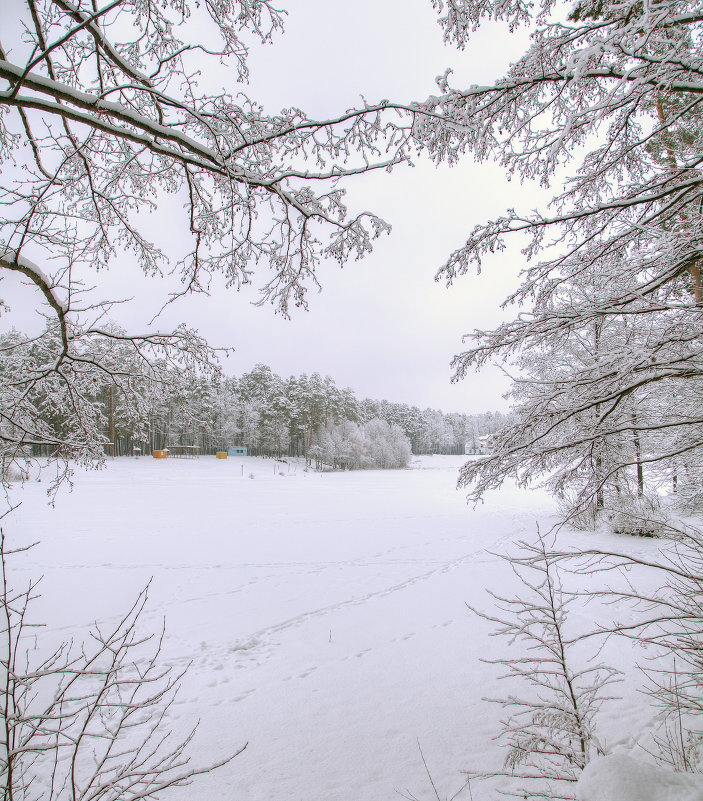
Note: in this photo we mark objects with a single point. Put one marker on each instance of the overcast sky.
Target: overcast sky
(382, 325)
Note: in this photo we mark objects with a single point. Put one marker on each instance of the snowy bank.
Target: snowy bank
(621, 778)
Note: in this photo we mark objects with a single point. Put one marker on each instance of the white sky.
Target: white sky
(381, 325)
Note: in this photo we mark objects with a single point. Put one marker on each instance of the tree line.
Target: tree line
(121, 404)
(301, 416)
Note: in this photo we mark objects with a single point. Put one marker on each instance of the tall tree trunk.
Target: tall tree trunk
(638, 456)
(600, 500)
(111, 408)
(309, 442)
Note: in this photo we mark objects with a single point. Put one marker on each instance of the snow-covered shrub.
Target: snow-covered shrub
(579, 515)
(641, 517)
(12, 473)
(387, 445)
(375, 444)
(687, 488)
(620, 507)
(678, 747)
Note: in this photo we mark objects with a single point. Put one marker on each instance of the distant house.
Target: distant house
(238, 450)
(482, 446)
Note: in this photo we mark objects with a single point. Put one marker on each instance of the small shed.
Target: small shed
(183, 451)
(237, 450)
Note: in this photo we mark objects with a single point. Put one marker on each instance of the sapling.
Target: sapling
(549, 733)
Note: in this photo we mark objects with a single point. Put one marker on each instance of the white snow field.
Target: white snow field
(323, 615)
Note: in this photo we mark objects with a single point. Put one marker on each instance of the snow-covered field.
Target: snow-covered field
(323, 615)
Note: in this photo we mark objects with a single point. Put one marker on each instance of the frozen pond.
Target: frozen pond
(323, 615)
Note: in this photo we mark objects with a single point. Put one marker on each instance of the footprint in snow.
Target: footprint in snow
(306, 673)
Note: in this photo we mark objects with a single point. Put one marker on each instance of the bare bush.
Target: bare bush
(549, 734)
(88, 721)
(664, 617)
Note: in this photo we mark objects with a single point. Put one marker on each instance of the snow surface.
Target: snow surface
(621, 778)
(323, 616)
